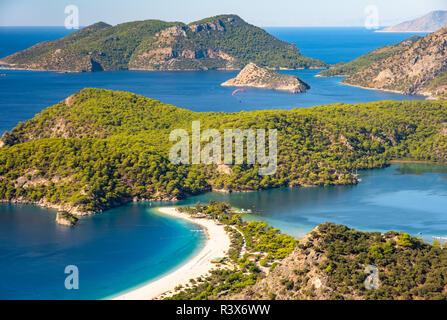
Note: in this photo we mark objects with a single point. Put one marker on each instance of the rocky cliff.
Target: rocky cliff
(258, 77)
(221, 42)
(414, 66)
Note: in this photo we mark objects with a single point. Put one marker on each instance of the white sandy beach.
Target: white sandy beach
(217, 245)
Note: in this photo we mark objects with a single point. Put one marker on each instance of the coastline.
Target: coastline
(426, 95)
(6, 66)
(216, 245)
(413, 161)
(48, 205)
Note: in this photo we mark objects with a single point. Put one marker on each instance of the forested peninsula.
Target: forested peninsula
(332, 262)
(99, 148)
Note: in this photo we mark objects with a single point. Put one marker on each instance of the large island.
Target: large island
(220, 42)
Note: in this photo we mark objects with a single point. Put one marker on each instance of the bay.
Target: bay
(128, 246)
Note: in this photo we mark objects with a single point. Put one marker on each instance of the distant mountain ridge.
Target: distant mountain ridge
(221, 42)
(414, 66)
(430, 22)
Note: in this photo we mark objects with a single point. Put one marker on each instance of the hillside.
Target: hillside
(263, 78)
(344, 69)
(221, 42)
(415, 66)
(330, 262)
(430, 22)
(100, 148)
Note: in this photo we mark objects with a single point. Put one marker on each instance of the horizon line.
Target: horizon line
(285, 26)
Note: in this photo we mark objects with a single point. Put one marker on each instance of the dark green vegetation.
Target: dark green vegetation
(259, 237)
(330, 264)
(224, 41)
(266, 243)
(100, 148)
(438, 82)
(408, 268)
(343, 69)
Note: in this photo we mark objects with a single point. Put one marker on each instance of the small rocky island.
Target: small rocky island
(65, 218)
(263, 78)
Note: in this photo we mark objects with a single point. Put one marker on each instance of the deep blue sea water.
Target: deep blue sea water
(127, 246)
(25, 93)
(114, 251)
(337, 44)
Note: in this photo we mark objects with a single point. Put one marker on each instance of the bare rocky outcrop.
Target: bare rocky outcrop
(224, 169)
(215, 25)
(62, 60)
(166, 54)
(420, 69)
(263, 78)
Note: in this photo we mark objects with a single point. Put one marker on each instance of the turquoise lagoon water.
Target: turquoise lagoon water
(128, 246)
(403, 197)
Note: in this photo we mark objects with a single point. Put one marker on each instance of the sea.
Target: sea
(126, 247)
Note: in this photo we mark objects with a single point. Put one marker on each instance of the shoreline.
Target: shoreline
(6, 66)
(425, 95)
(410, 161)
(216, 245)
(80, 213)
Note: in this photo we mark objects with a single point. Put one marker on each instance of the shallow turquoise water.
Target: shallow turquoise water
(125, 247)
(114, 251)
(407, 197)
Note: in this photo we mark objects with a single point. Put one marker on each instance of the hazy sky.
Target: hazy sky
(258, 12)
